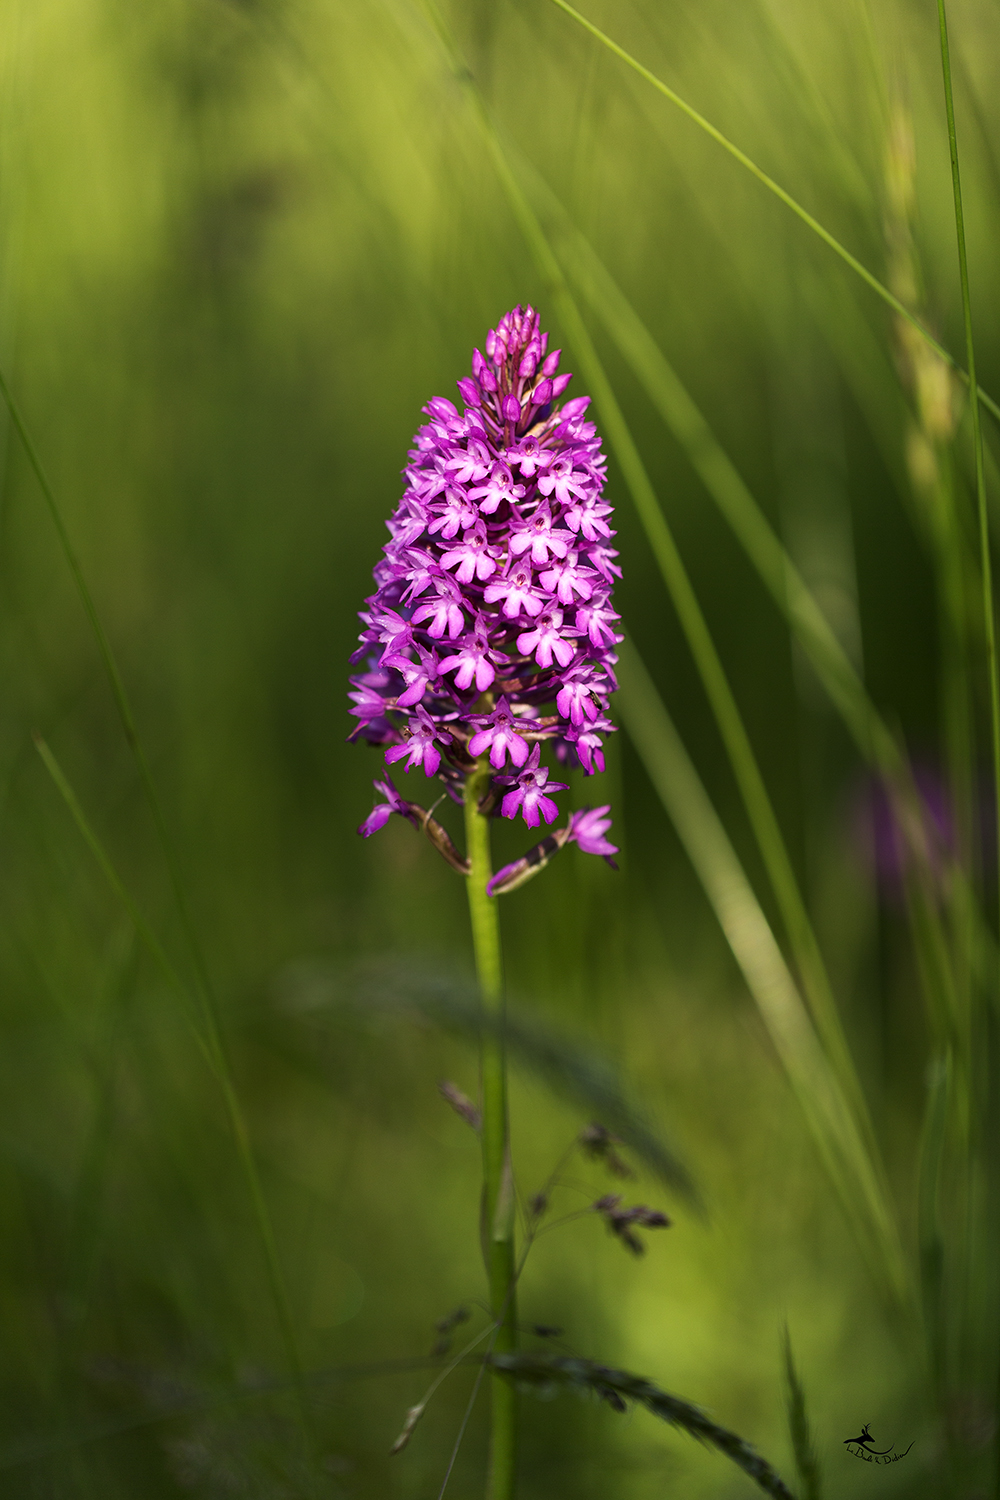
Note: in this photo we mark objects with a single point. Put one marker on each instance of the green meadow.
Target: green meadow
(242, 242)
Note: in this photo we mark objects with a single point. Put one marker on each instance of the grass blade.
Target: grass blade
(853, 1168)
(806, 1460)
(989, 623)
(843, 1104)
(118, 689)
(210, 1043)
(778, 191)
(723, 482)
(734, 735)
(143, 930)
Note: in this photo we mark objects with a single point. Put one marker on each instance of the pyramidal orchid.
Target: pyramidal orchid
(490, 637)
(491, 632)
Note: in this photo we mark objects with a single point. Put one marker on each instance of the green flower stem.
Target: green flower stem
(498, 1186)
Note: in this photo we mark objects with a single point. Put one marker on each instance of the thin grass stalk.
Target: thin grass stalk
(143, 930)
(986, 570)
(210, 1044)
(832, 147)
(961, 770)
(806, 1459)
(930, 1236)
(118, 690)
(779, 192)
(989, 620)
(854, 1170)
(735, 738)
(498, 1182)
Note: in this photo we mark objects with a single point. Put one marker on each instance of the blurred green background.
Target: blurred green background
(242, 242)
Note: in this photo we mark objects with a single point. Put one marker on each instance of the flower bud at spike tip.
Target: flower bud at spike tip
(492, 630)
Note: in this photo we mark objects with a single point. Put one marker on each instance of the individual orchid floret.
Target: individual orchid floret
(421, 819)
(547, 640)
(518, 591)
(492, 631)
(499, 487)
(529, 792)
(423, 738)
(471, 556)
(498, 735)
(444, 612)
(585, 744)
(382, 811)
(587, 828)
(472, 661)
(540, 537)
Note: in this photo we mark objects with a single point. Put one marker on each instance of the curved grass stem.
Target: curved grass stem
(498, 1187)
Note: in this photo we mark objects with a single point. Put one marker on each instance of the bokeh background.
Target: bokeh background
(242, 242)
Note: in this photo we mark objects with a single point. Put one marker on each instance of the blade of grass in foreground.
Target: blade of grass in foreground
(210, 1043)
(779, 192)
(766, 829)
(856, 1175)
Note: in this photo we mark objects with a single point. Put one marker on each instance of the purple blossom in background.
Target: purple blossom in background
(881, 839)
(491, 630)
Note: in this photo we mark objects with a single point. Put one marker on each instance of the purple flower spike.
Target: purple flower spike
(491, 629)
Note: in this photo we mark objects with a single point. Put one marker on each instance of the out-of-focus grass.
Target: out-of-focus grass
(242, 243)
